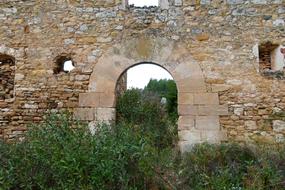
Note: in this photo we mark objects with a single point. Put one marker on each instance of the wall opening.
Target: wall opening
(7, 75)
(63, 64)
(153, 82)
(147, 101)
(272, 60)
(143, 3)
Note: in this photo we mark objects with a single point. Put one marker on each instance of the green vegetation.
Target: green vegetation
(233, 167)
(148, 116)
(137, 153)
(167, 89)
(55, 155)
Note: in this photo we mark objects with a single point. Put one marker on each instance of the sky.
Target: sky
(141, 3)
(139, 76)
(68, 66)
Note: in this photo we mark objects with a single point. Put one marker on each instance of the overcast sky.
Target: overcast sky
(141, 3)
(139, 76)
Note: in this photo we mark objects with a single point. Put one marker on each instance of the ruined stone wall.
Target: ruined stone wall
(222, 36)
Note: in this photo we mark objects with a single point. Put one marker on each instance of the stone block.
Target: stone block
(107, 99)
(259, 2)
(164, 4)
(105, 114)
(178, 3)
(216, 136)
(91, 99)
(250, 125)
(207, 123)
(87, 40)
(194, 85)
(185, 98)
(186, 122)
(182, 71)
(234, 2)
(187, 110)
(213, 110)
(191, 136)
(220, 87)
(202, 37)
(85, 114)
(279, 126)
(206, 98)
(205, 2)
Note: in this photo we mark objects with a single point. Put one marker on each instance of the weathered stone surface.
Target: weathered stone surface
(207, 123)
(213, 110)
(220, 87)
(105, 114)
(202, 37)
(206, 99)
(278, 126)
(187, 110)
(186, 122)
(85, 114)
(206, 47)
(192, 136)
(250, 125)
(195, 86)
(107, 100)
(214, 136)
(186, 98)
(89, 99)
(178, 2)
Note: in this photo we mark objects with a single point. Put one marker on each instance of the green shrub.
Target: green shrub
(148, 116)
(231, 167)
(62, 154)
(167, 89)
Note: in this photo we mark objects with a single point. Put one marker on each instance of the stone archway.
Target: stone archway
(198, 109)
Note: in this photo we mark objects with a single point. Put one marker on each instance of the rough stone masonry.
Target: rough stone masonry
(224, 55)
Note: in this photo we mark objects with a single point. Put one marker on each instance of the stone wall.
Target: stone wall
(222, 37)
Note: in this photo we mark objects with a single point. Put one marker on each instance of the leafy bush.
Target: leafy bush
(55, 155)
(232, 167)
(167, 89)
(136, 153)
(148, 116)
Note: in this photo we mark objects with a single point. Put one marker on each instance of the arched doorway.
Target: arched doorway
(198, 108)
(146, 100)
(153, 83)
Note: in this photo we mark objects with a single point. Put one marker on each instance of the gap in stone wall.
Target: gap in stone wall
(143, 3)
(269, 64)
(7, 75)
(63, 64)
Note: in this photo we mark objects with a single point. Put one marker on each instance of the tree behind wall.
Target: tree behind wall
(165, 88)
